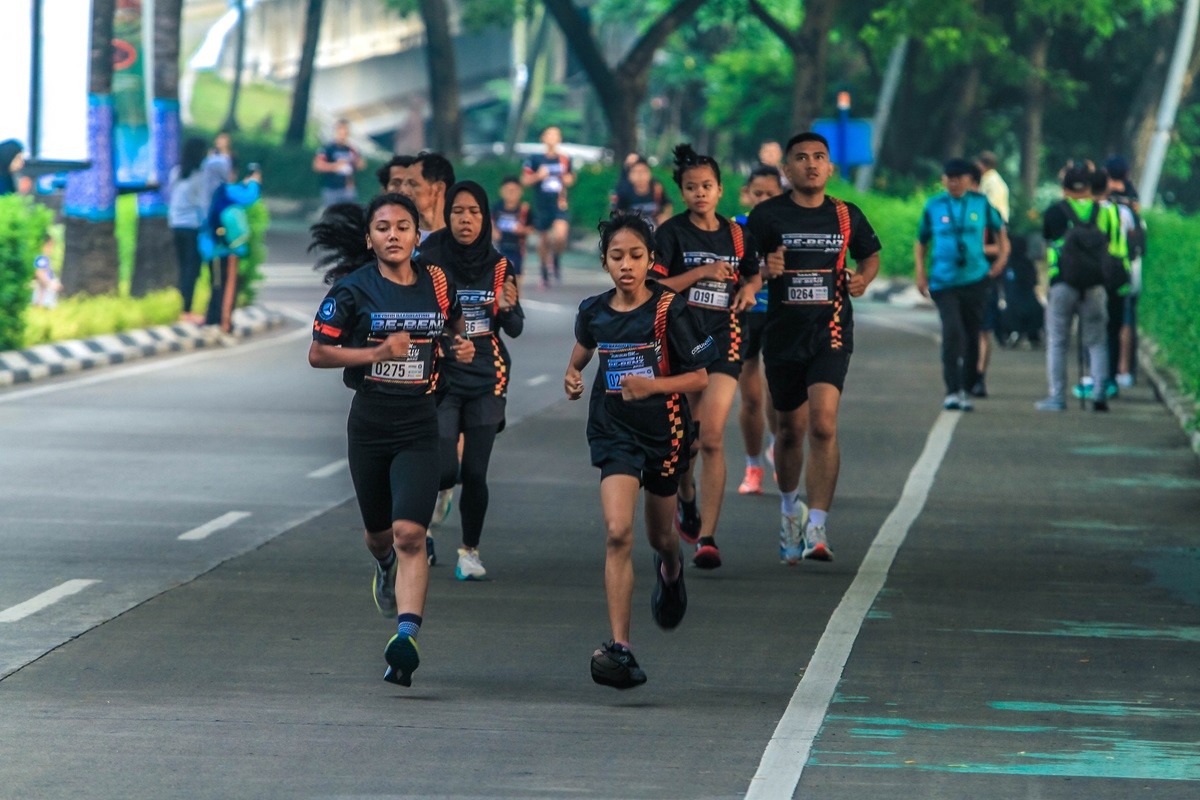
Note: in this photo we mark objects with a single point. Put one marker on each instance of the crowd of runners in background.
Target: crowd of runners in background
(426, 283)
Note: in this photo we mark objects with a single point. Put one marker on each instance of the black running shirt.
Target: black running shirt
(680, 246)
(550, 192)
(488, 372)
(364, 307)
(658, 338)
(808, 306)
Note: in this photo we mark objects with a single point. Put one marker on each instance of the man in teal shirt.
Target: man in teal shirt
(952, 270)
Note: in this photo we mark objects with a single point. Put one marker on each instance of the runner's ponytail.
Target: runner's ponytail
(340, 236)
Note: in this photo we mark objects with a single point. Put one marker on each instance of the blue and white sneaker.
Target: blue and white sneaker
(383, 588)
(791, 536)
(469, 567)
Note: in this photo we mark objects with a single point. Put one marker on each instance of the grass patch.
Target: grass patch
(81, 316)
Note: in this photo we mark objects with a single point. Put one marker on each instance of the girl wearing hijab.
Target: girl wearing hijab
(474, 405)
(11, 162)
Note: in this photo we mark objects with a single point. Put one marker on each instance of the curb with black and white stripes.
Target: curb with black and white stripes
(61, 358)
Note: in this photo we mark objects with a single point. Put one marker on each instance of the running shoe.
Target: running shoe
(752, 481)
(1110, 389)
(1050, 404)
(1124, 380)
(469, 568)
(1082, 390)
(979, 389)
(430, 550)
(951, 403)
(687, 521)
(1100, 405)
(815, 545)
(403, 658)
(445, 501)
(383, 588)
(791, 536)
(614, 665)
(667, 603)
(708, 555)
(964, 402)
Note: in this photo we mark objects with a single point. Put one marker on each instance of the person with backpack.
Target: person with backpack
(1125, 196)
(225, 240)
(185, 214)
(953, 270)
(1083, 256)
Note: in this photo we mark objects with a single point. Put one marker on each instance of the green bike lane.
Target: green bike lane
(1035, 636)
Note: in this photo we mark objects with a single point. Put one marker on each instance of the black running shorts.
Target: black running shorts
(789, 380)
(392, 449)
(753, 325)
(655, 484)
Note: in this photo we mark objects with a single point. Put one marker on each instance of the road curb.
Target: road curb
(1166, 386)
(76, 355)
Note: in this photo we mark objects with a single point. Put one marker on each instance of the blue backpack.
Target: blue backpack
(227, 228)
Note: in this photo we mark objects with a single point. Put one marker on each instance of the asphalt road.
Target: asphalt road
(1013, 610)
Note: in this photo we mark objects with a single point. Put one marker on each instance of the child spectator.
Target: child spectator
(46, 284)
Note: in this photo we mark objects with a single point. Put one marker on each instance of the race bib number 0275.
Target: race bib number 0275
(415, 368)
(619, 360)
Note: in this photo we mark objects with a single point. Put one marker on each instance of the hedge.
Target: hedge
(23, 228)
(1167, 309)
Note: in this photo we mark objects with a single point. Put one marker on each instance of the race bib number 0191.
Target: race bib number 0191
(710, 294)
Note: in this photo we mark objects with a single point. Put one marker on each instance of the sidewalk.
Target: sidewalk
(1035, 636)
(61, 358)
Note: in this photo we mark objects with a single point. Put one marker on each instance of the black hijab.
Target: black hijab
(466, 262)
(9, 150)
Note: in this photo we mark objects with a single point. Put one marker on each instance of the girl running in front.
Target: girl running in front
(714, 262)
(652, 352)
(386, 322)
(474, 404)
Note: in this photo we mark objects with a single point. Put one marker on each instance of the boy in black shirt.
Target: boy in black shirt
(809, 332)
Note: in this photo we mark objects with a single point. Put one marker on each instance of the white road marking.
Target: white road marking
(209, 528)
(329, 470)
(783, 761)
(537, 381)
(117, 372)
(44, 600)
(542, 305)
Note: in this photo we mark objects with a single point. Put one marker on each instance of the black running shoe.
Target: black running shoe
(687, 520)
(403, 658)
(979, 389)
(614, 665)
(667, 603)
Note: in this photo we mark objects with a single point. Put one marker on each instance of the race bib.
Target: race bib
(552, 184)
(414, 369)
(710, 294)
(619, 360)
(810, 287)
(475, 304)
(506, 223)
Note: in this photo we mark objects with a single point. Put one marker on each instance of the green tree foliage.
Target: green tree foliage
(23, 227)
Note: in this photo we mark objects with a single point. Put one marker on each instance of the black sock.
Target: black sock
(707, 541)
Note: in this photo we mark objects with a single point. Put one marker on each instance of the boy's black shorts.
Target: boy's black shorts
(789, 380)
(652, 482)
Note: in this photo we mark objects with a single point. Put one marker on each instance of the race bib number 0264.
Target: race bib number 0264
(810, 287)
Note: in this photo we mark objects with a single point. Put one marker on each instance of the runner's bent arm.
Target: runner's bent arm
(333, 356)
(863, 273)
(639, 387)
(573, 380)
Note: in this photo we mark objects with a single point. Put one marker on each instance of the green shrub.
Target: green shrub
(23, 228)
(249, 274)
(125, 230)
(1170, 286)
(81, 316)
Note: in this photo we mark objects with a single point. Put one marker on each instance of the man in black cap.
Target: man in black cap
(953, 270)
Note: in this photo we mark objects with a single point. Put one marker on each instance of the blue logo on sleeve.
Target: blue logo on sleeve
(328, 308)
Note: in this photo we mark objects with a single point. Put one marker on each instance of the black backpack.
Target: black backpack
(1083, 259)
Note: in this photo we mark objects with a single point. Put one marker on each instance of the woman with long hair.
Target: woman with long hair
(388, 323)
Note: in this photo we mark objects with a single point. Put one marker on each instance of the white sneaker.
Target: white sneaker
(815, 545)
(964, 402)
(1124, 380)
(441, 510)
(951, 403)
(469, 568)
(791, 538)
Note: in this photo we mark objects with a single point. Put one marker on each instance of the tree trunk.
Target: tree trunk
(239, 63)
(1035, 112)
(443, 78)
(809, 46)
(90, 260)
(621, 90)
(964, 111)
(155, 264)
(302, 90)
(1143, 111)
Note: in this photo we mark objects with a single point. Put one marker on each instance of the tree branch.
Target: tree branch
(789, 38)
(638, 59)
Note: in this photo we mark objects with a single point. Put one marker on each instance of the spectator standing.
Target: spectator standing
(953, 270)
(217, 167)
(336, 163)
(186, 209)
(225, 240)
(12, 160)
(1125, 196)
(46, 284)
(991, 184)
